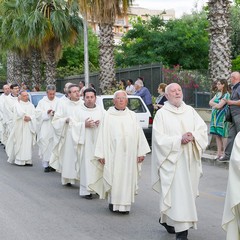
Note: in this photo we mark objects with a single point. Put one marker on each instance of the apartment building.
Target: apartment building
(123, 24)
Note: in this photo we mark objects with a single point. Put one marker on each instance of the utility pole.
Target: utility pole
(86, 57)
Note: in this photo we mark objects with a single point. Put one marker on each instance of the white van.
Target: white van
(136, 104)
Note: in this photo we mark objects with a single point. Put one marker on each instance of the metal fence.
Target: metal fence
(196, 94)
(151, 73)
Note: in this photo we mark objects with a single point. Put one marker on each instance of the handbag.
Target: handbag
(228, 115)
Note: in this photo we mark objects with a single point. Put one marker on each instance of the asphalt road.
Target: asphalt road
(35, 206)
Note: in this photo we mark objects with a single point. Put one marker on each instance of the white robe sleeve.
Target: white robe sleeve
(231, 213)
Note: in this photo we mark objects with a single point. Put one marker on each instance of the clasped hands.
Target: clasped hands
(51, 112)
(89, 123)
(187, 137)
(139, 160)
(26, 119)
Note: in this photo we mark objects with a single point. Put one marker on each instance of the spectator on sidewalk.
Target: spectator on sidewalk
(234, 105)
(161, 98)
(144, 93)
(218, 124)
(122, 84)
(82, 87)
(130, 89)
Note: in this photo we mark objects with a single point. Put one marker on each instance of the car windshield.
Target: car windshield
(134, 104)
(35, 98)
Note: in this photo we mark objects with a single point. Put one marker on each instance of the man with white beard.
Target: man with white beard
(45, 112)
(23, 134)
(178, 141)
(6, 92)
(8, 109)
(91, 115)
(68, 136)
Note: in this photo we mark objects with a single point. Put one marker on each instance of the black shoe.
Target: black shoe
(110, 206)
(68, 185)
(46, 169)
(223, 159)
(124, 212)
(170, 229)
(52, 169)
(182, 235)
(88, 197)
(28, 165)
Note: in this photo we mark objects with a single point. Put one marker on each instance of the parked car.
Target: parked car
(35, 97)
(136, 104)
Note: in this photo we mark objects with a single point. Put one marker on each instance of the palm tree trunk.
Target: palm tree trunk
(36, 67)
(10, 67)
(17, 69)
(26, 71)
(220, 42)
(50, 67)
(106, 57)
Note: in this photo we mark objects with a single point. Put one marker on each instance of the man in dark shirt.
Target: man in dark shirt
(144, 93)
(234, 104)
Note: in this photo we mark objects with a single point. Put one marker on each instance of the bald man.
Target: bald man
(178, 140)
(234, 105)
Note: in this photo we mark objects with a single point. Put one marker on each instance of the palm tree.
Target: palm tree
(105, 12)
(220, 39)
(40, 26)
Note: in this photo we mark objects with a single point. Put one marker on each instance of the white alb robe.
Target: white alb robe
(176, 167)
(120, 142)
(2, 125)
(231, 213)
(23, 134)
(8, 109)
(90, 172)
(68, 139)
(45, 128)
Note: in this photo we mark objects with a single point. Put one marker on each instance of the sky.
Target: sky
(180, 6)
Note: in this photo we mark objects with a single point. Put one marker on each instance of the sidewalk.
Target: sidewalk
(210, 154)
(209, 158)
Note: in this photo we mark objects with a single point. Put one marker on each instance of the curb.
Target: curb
(210, 160)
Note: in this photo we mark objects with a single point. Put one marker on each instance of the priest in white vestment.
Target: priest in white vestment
(121, 147)
(6, 92)
(68, 137)
(23, 134)
(90, 170)
(231, 213)
(45, 112)
(178, 141)
(8, 109)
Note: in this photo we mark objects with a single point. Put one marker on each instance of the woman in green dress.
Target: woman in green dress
(218, 125)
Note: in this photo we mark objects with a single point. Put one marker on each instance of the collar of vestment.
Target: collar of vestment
(120, 109)
(114, 111)
(22, 102)
(178, 110)
(89, 107)
(13, 95)
(74, 102)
